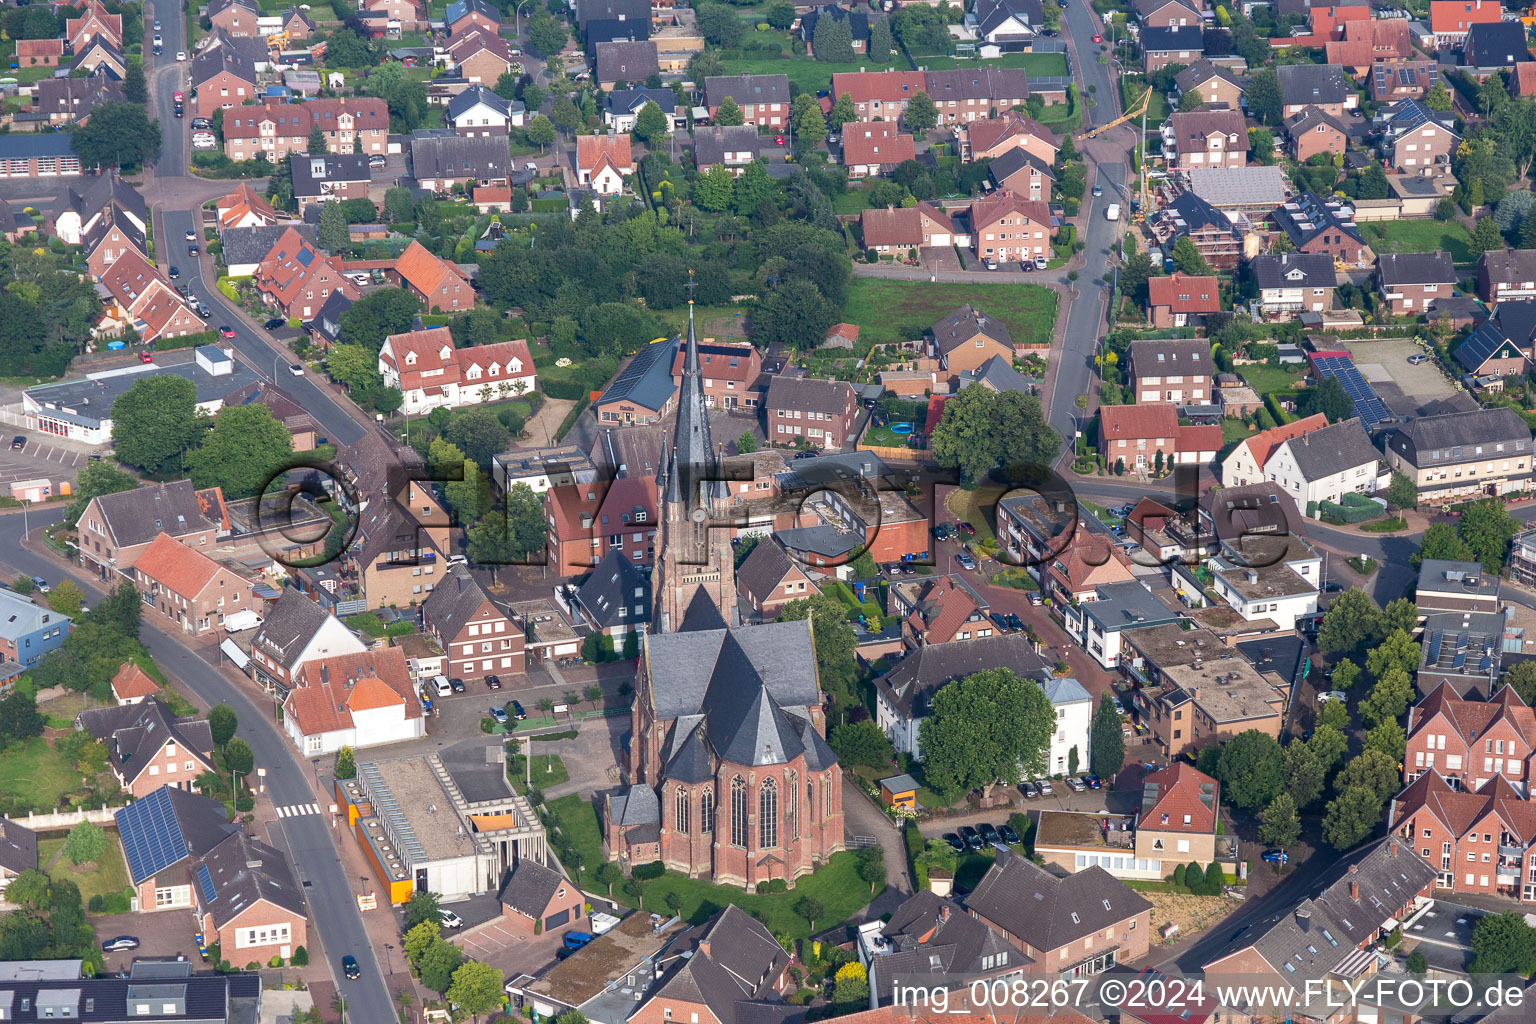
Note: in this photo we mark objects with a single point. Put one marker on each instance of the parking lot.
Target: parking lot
(1406, 387)
(41, 457)
(161, 934)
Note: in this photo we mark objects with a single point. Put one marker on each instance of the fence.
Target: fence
(56, 818)
(898, 454)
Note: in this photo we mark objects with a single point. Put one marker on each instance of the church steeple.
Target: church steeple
(695, 569)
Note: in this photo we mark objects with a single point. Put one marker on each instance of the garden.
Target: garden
(99, 880)
(1420, 236)
(887, 311)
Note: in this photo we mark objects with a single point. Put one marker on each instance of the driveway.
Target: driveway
(163, 933)
(863, 818)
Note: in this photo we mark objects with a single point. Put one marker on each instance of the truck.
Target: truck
(1113, 213)
(239, 622)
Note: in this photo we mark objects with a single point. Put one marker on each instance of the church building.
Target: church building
(732, 778)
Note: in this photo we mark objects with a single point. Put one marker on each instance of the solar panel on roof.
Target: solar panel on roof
(150, 834)
(205, 882)
(1435, 639)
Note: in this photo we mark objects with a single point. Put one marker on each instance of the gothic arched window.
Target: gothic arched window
(791, 810)
(680, 819)
(738, 812)
(768, 814)
(706, 812)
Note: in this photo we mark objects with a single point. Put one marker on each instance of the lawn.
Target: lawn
(37, 772)
(889, 311)
(110, 875)
(1267, 379)
(1235, 430)
(978, 508)
(1039, 65)
(1420, 236)
(548, 770)
(836, 886)
(811, 75)
(885, 437)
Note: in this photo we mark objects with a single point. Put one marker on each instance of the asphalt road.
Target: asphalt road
(1093, 78)
(166, 76)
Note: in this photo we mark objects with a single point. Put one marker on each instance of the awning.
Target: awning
(235, 654)
(495, 822)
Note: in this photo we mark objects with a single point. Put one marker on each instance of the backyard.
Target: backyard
(1266, 379)
(889, 311)
(109, 875)
(34, 773)
(1420, 236)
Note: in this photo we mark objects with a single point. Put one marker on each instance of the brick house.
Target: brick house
(728, 373)
(1162, 46)
(572, 545)
(115, 529)
(94, 22)
(878, 95)
(1021, 172)
(295, 632)
(1506, 274)
(280, 130)
(732, 146)
(1489, 351)
(320, 179)
(44, 53)
(1179, 816)
(297, 278)
(972, 94)
(768, 579)
(1181, 300)
(478, 637)
(1316, 227)
(630, 62)
(1218, 86)
(823, 412)
(1169, 372)
(481, 57)
(1391, 81)
(1006, 226)
(141, 297)
(1478, 837)
(110, 238)
(1313, 131)
(626, 519)
(235, 17)
(1138, 433)
(537, 899)
(188, 587)
(221, 79)
(1166, 14)
(431, 373)
(967, 339)
(1411, 282)
(940, 610)
(714, 971)
(1469, 743)
(1414, 137)
(1316, 85)
(149, 747)
(873, 149)
(990, 138)
(470, 16)
(1291, 283)
(1206, 138)
(909, 227)
(440, 285)
(762, 99)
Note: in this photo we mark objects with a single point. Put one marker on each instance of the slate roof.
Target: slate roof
(1196, 214)
(451, 156)
(200, 823)
(463, 8)
(777, 652)
(1332, 450)
(858, 22)
(133, 732)
(806, 394)
(327, 322)
(331, 167)
(617, 10)
(1317, 270)
(626, 61)
(18, 847)
(1305, 216)
(964, 324)
(616, 586)
(243, 871)
(629, 101)
(647, 380)
(219, 58)
(1204, 69)
(1012, 161)
(251, 245)
(1399, 268)
(1442, 433)
(530, 887)
(1313, 83)
(1156, 38)
(730, 963)
(1495, 44)
(611, 30)
(764, 568)
(1407, 115)
(1518, 319)
(476, 94)
(909, 687)
(747, 89)
(1047, 911)
(711, 144)
(999, 373)
(292, 621)
(138, 516)
(1312, 119)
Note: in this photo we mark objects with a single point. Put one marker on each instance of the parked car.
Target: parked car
(806, 454)
(41, 584)
(778, 140)
(516, 708)
(999, 621)
(991, 263)
(942, 531)
(203, 123)
(1274, 856)
(576, 940)
(971, 836)
(1417, 358)
(191, 235)
(955, 842)
(350, 968)
(18, 443)
(1029, 790)
(173, 272)
(493, 682)
(457, 685)
(275, 323)
(499, 714)
(452, 920)
(908, 569)
(1075, 784)
(1009, 835)
(157, 24)
(1015, 623)
(989, 834)
(377, 160)
(146, 357)
(1041, 263)
(120, 943)
(1045, 787)
(181, 54)
(966, 561)
(1332, 587)
(1094, 782)
(966, 528)
(894, 569)
(1098, 38)
(1035, 598)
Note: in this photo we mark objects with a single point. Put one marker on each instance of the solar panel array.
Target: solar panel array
(151, 835)
(1368, 405)
(205, 881)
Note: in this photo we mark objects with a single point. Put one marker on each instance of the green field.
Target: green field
(810, 74)
(1420, 236)
(1265, 379)
(37, 773)
(1039, 65)
(892, 311)
(110, 875)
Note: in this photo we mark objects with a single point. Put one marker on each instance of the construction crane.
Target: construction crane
(1135, 112)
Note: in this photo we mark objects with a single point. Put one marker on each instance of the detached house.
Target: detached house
(732, 147)
(1206, 138)
(142, 298)
(967, 339)
(477, 636)
(1314, 131)
(603, 162)
(148, 747)
(189, 588)
(297, 279)
(901, 229)
(1167, 13)
(878, 95)
(1505, 274)
(1489, 351)
(440, 160)
(480, 56)
(1162, 46)
(615, 600)
(1218, 85)
(221, 78)
(1411, 282)
(320, 179)
(1324, 86)
(353, 700)
(1293, 282)
(432, 374)
(1181, 300)
(1170, 372)
(1137, 434)
(1245, 464)
(1413, 137)
(440, 285)
(1324, 465)
(873, 149)
(768, 579)
(1451, 20)
(1319, 227)
(823, 412)
(477, 113)
(235, 17)
(1005, 227)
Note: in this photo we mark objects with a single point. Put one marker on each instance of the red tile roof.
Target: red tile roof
(296, 120)
(1264, 444)
(847, 332)
(1461, 811)
(39, 48)
(988, 210)
(420, 269)
(1185, 294)
(1448, 17)
(1137, 422)
(1177, 805)
(244, 200)
(328, 690)
(1525, 79)
(179, 568)
(1089, 561)
(902, 225)
(885, 86)
(132, 681)
(876, 145)
(1199, 438)
(985, 134)
(591, 150)
(942, 608)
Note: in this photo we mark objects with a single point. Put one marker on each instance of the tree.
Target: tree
(479, 434)
(1282, 825)
(317, 144)
(155, 422)
(541, 131)
(843, 111)
(245, 449)
(713, 189)
(423, 906)
(810, 908)
(986, 728)
(1388, 699)
(238, 757)
(982, 430)
(1328, 398)
(1264, 97)
(1402, 492)
(880, 42)
(809, 122)
(780, 14)
(1373, 771)
(97, 477)
(872, 867)
(1485, 236)
(332, 234)
(1351, 816)
(510, 532)
(1527, 233)
(66, 598)
(719, 24)
(476, 988)
(1523, 678)
(23, 585)
(1418, 963)
(1250, 770)
(1302, 773)
(850, 987)
(1350, 621)
(1334, 713)
(1191, 101)
(832, 39)
(1441, 541)
(222, 723)
(746, 443)
(608, 874)
(1187, 259)
(135, 90)
(651, 123)
(1438, 98)
(1396, 650)
(1503, 944)
(354, 367)
(1329, 745)
(752, 188)
(546, 35)
(921, 115)
(377, 315)
(419, 939)
(1389, 738)
(729, 113)
(117, 135)
(438, 964)
(834, 645)
(86, 844)
(1487, 528)
(861, 743)
(1107, 743)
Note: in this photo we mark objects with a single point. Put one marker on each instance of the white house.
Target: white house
(296, 631)
(1245, 463)
(1325, 465)
(1262, 587)
(1097, 625)
(1074, 724)
(353, 700)
(477, 112)
(432, 374)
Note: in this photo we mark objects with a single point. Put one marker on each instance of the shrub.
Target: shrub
(762, 888)
(777, 885)
(646, 872)
(487, 723)
(300, 957)
(1214, 879)
(1194, 878)
(95, 904)
(254, 965)
(276, 961)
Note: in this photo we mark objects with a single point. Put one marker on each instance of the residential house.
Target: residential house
(442, 287)
(276, 131)
(1245, 464)
(1161, 46)
(614, 10)
(1413, 137)
(1188, 216)
(1314, 131)
(1089, 561)
(410, 15)
(622, 107)
(1403, 79)
(297, 279)
(1502, 726)
(968, 338)
(1295, 282)
(822, 412)
(1265, 578)
(940, 610)
(1218, 85)
(245, 207)
(93, 22)
(615, 598)
(477, 112)
(626, 63)
(729, 374)
(148, 747)
(103, 57)
(18, 851)
(1180, 300)
(235, 17)
(768, 579)
(536, 899)
(902, 229)
(221, 78)
(1316, 226)
(1325, 464)
(762, 99)
(301, 426)
(572, 543)
(188, 587)
(297, 24)
(965, 95)
(432, 374)
(324, 327)
(115, 529)
(141, 297)
(1138, 434)
(44, 53)
(29, 630)
(732, 147)
(626, 519)
(1462, 829)
(726, 968)
(873, 149)
(1179, 818)
(441, 160)
(470, 15)
(1116, 609)
(925, 933)
(183, 853)
(65, 101)
(132, 685)
(402, 534)
(1077, 926)
(1006, 226)
(603, 162)
(990, 138)
(643, 391)
(245, 249)
(1492, 45)
(1451, 20)
(352, 700)
(1325, 86)
(1021, 172)
(110, 238)
(1505, 274)
(1206, 138)
(479, 56)
(1167, 13)
(296, 631)
(1463, 454)
(1006, 25)
(320, 179)
(1169, 372)
(879, 95)
(1411, 282)
(1489, 352)
(1368, 42)
(478, 637)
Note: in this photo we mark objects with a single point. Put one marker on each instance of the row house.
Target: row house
(878, 95)
(1366, 42)
(1206, 138)
(1479, 841)
(115, 529)
(1326, 464)
(432, 374)
(1469, 743)
(441, 160)
(965, 95)
(187, 587)
(297, 278)
(762, 99)
(322, 179)
(222, 78)
(110, 238)
(1245, 464)
(478, 638)
(358, 124)
(1163, 46)
(1402, 80)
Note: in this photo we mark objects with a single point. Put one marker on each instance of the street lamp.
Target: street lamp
(389, 960)
(517, 16)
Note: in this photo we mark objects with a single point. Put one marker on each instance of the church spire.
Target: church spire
(691, 464)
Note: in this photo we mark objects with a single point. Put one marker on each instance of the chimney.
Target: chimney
(1303, 915)
(1253, 576)
(1391, 847)
(1354, 890)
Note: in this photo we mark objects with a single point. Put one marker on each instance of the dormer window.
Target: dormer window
(410, 359)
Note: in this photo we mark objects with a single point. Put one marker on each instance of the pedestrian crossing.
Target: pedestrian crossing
(297, 810)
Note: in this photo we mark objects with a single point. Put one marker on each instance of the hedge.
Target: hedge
(915, 846)
(164, 344)
(647, 872)
(1276, 410)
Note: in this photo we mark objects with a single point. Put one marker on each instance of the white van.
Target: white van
(1113, 213)
(440, 683)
